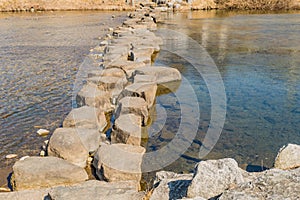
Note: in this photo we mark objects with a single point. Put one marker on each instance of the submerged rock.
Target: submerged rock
(43, 172)
(97, 190)
(119, 162)
(65, 143)
(213, 177)
(288, 157)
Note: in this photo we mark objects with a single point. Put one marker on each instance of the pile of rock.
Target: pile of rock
(223, 179)
(117, 96)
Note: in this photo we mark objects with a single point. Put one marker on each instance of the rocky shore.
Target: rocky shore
(108, 132)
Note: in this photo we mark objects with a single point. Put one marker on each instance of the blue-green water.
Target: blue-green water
(258, 57)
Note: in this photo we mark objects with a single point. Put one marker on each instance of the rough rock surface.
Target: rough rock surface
(274, 184)
(213, 177)
(119, 162)
(128, 129)
(171, 185)
(162, 74)
(85, 117)
(90, 138)
(66, 144)
(43, 172)
(288, 157)
(134, 105)
(36, 194)
(91, 95)
(97, 190)
(143, 90)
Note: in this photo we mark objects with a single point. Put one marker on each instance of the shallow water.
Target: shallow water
(258, 57)
(40, 54)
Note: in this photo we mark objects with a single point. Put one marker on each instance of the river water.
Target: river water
(257, 55)
(40, 54)
(258, 58)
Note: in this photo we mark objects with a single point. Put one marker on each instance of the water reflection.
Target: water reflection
(258, 56)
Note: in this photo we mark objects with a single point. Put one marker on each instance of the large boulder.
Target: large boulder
(128, 129)
(91, 95)
(26, 194)
(90, 138)
(119, 162)
(170, 185)
(288, 157)
(97, 190)
(108, 83)
(43, 172)
(272, 184)
(127, 66)
(213, 177)
(86, 117)
(162, 74)
(135, 105)
(143, 90)
(65, 143)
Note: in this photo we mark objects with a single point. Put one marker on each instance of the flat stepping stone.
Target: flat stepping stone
(45, 172)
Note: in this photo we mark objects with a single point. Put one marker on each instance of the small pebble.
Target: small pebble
(4, 189)
(90, 159)
(24, 157)
(113, 16)
(44, 147)
(110, 29)
(10, 156)
(46, 142)
(43, 132)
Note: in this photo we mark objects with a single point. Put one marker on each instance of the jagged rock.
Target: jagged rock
(127, 66)
(162, 74)
(274, 184)
(97, 190)
(65, 143)
(288, 157)
(119, 162)
(86, 117)
(135, 105)
(141, 55)
(213, 177)
(108, 83)
(171, 185)
(144, 90)
(128, 129)
(121, 49)
(42, 172)
(91, 95)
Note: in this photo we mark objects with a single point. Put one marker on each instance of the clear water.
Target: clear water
(40, 54)
(258, 57)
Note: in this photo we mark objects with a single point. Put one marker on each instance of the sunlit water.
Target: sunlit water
(40, 54)
(258, 57)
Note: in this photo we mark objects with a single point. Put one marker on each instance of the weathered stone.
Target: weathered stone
(107, 83)
(65, 143)
(127, 66)
(128, 129)
(43, 132)
(90, 138)
(141, 55)
(36, 194)
(117, 49)
(97, 190)
(85, 117)
(288, 157)
(171, 185)
(91, 95)
(144, 79)
(135, 105)
(42, 172)
(274, 184)
(144, 90)
(115, 72)
(162, 74)
(119, 162)
(213, 177)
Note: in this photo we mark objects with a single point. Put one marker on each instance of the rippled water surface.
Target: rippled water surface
(258, 57)
(40, 54)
